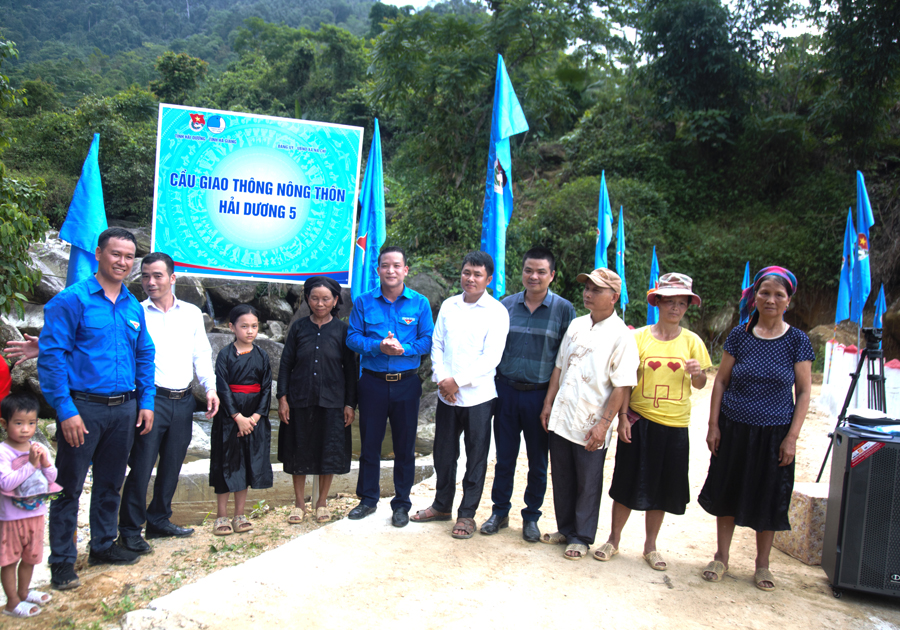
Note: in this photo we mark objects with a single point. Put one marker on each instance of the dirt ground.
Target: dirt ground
(368, 573)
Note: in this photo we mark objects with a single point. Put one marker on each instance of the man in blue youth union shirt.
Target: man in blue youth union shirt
(390, 328)
(96, 369)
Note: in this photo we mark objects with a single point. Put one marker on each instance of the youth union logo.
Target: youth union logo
(197, 122)
(215, 123)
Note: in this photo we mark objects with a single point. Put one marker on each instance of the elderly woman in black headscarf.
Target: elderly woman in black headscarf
(316, 396)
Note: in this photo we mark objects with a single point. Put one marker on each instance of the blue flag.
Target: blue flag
(620, 260)
(880, 308)
(862, 278)
(604, 225)
(745, 284)
(653, 311)
(507, 120)
(86, 218)
(847, 258)
(370, 233)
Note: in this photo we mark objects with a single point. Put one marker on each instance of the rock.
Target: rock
(22, 373)
(220, 329)
(226, 294)
(200, 445)
(272, 307)
(32, 323)
(427, 408)
(432, 286)
(142, 236)
(207, 322)
(274, 330)
(8, 332)
(552, 153)
(425, 372)
(51, 258)
(133, 281)
(190, 289)
(294, 295)
(46, 411)
(44, 440)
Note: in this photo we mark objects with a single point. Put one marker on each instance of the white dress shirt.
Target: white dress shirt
(468, 344)
(181, 345)
(593, 360)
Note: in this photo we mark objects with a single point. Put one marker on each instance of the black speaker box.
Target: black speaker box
(862, 525)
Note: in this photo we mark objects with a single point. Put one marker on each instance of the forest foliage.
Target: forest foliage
(722, 140)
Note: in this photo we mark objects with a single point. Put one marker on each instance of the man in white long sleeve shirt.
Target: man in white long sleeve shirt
(179, 335)
(468, 342)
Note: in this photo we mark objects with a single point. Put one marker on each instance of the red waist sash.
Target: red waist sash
(245, 389)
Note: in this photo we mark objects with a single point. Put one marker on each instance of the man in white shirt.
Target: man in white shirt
(468, 342)
(179, 335)
(595, 370)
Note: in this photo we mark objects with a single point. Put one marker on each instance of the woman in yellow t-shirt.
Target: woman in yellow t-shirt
(651, 472)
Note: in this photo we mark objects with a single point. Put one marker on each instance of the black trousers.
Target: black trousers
(449, 423)
(577, 489)
(169, 439)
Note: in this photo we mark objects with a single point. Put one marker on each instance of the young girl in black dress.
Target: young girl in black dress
(241, 434)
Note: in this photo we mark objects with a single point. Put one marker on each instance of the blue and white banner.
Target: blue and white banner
(255, 197)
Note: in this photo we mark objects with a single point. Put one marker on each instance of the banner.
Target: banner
(255, 197)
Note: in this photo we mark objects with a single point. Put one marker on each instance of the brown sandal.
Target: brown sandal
(222, 527)
(296, 516)
(241, 524)
(466, 525)
(430, 514)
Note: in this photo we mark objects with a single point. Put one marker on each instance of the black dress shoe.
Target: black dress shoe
(530, 531)
(114, 554)
(360, 511)
(134, 543)
(494, 524)
(400, 518)
(168, 530)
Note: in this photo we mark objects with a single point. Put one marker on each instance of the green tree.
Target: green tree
(21, 222)
(179, 75)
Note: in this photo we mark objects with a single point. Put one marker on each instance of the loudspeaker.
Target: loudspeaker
(862, 525)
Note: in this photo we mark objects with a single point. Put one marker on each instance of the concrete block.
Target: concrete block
(194, 498)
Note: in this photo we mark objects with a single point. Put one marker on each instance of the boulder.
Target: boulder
(274, 330)
(142, 236)
(200, 445)
(432, 286)
(22, 373)
(819, 335)
(190, 289)
(427, 407)
(208, 322)
(552, 153)
(32, 323)
(8, 332)
(133, 281)
(226, 294)
(51, 258)
(274, 308)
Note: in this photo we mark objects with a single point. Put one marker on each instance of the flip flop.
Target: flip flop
(764, 575)
(581, 549)
(296, 516)
(553, 539)
(38, 597)
(240, 524)
(717, 569)
(22, 610)
(430, 514)
(605, 552)
(322, 515)
(654, 558)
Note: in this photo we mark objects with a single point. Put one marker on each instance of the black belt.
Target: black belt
(172, 394)
(109, 401)
(390, 376)
(522, 387)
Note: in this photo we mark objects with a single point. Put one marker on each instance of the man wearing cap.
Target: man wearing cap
(595, 371)
(390, 328)
(538, 319)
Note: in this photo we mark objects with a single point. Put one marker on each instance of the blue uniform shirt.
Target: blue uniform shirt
(89, 344)
(373, 317)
